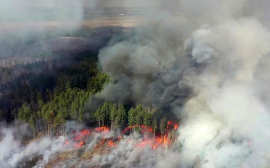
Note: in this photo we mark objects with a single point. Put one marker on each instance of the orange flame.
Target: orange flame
(80, 144)
(143, 128)
(154, 142)
(85, 132)
(175, 126)
(102, 129)
(111, 143)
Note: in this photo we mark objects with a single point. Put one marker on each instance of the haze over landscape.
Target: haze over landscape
(122, 83)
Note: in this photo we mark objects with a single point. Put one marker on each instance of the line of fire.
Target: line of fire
(147, 136)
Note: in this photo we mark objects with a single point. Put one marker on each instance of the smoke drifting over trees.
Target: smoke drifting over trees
(213, 50)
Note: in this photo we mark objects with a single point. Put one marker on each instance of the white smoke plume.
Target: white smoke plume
(225, 122)
(14, 153)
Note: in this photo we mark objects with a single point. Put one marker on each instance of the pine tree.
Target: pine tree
(155, 126)
(121, 116)
(32, 123)
(162, 126)
(97, 115)
(24, 112)
(113, 115)
(104, 112)
(131, 117)
(147, 118)
(139, 114)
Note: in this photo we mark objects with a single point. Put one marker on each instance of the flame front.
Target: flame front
(149, 139)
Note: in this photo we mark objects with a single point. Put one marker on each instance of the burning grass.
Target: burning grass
(84, 145)
(148, 137)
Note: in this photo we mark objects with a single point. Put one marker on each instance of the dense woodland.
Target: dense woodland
(48, 94)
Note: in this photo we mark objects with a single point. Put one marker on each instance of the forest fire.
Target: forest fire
(148, 134)
(82, 135)
(143, 128)
(111, 143)
(102, 129)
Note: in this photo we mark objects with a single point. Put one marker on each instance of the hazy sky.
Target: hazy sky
(121, 3)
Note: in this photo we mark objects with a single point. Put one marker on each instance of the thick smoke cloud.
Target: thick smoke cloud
(225, 122)
(145, 68)
(152, 61)
(209, 65)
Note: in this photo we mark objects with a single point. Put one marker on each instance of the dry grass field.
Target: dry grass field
(10, 27)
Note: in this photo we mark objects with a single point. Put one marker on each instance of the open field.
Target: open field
(10, 27)
(120, 17)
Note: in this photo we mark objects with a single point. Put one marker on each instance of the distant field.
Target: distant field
(9, 27)
(92, 18)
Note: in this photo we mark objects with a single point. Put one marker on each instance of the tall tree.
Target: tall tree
(24, 112)
(113, 115)
(162, 126)
(131, 117)
(155, 126)
(32, 123)
(121, 115)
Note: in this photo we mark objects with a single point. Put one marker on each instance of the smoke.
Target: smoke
(225, 123)
(209, 66)
(130, 151)
(14, 153)
(144, 68)
(127, 154)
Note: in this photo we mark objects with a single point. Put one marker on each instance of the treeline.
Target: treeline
(26, 83)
